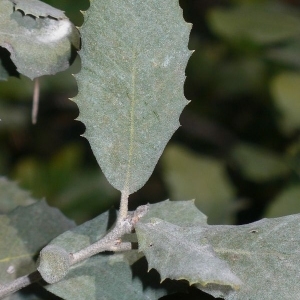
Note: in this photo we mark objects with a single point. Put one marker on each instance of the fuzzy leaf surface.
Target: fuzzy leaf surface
(131, 84)
(118, 276)
(38, 46)
(261, 254)
(23, 232)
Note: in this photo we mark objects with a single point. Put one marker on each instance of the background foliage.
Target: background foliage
(237, 152)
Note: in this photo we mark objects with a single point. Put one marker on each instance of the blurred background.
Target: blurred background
(237, 152)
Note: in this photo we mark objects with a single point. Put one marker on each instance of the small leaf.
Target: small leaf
(38, 46)
(260, 254)
(285, 89)
(131, 84)
(117, 276)
(262, 24)
(12, 196)
(259, 164)
(181, 213)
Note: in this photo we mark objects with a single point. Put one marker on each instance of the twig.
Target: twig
(110, 242)
(19, 283)
(123, 205)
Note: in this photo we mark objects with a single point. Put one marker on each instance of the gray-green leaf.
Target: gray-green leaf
(262, 254)
(134, 54)
(23, 232)
(38, 46)
(38, 9)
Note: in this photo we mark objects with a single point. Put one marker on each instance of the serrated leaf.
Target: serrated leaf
(38, 46)
(23, 232)
(131, 84)
(261, 254)
(12, 195)
(259, 164)
(172, 251)
(38, 9)
(190, 175)
(116, 276)
(285, 89)
(262, 24)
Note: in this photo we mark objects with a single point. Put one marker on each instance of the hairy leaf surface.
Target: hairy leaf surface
(101, 277)
(38, 46)
(134, 54)
(232, 262)
(23, 232)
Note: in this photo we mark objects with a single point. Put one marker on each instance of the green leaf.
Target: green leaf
(38, 9)
(259, 164)
(261, 24)
(131, 84)
(104, 276)
(23, 232)
(287, 202)
(12, 196)
(285, 89)
(203, 178)
(261, 254)
(38, 46)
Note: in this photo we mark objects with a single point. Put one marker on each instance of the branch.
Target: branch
(110, 242)
(19, 283)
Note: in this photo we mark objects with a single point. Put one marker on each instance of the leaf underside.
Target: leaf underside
(254, 261)
(134, 54)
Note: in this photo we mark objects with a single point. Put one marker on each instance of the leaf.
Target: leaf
(104, 276)
(285, 203)
(261, 254)
(285, 89)
(23, 232)
(38, 46)
(262, 24)
(38, 9)
(191, 261)
(190, 175)
(131, 84)
(259, 164)
(183, 213)
(12, 196)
